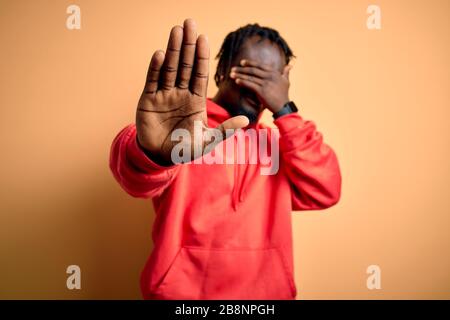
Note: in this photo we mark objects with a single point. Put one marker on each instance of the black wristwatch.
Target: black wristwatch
(288, 108)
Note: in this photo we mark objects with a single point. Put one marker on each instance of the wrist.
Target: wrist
(277, 106)
(153, 156)
(287, 108)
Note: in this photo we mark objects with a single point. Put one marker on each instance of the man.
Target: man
(222, 231)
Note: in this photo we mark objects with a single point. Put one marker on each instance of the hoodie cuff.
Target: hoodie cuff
(289, 122)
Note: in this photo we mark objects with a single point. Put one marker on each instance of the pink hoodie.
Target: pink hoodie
(223, 231)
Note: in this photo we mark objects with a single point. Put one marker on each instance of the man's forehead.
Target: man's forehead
(262, 51)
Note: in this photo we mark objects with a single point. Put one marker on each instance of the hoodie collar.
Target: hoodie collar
(216, 112)
(219, 114)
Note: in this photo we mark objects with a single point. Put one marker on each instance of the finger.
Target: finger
(252, 63)
(243, 76)
(187, 53)
(170, 67)
(153, 73)
(199, 82)
(254, 71)
(249, 84)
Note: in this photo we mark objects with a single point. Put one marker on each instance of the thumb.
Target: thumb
(224, 130)
(233, 123)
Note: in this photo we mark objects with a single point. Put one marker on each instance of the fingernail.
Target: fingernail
(232, 74)
(242, 62)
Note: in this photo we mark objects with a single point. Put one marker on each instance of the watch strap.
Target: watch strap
(288, 108)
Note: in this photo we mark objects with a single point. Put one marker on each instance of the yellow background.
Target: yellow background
(381, 99)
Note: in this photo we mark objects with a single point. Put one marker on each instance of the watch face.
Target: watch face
(293, 106)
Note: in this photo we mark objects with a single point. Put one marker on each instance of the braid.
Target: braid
(234, 40)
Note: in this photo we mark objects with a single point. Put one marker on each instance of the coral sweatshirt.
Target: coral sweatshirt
(223, 231)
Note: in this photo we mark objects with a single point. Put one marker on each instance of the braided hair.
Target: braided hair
(234, 40)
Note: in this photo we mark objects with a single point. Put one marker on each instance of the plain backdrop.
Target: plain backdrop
(380, 98)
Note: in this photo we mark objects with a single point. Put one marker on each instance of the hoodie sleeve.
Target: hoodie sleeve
(136, 173)
(311, 165)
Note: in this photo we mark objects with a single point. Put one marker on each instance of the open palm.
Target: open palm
(175, 94)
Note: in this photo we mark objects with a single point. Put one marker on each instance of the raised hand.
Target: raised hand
(174, 96)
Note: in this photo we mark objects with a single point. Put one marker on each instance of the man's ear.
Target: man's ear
(286, 70)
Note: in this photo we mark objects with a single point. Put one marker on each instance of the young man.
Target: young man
(222, 231)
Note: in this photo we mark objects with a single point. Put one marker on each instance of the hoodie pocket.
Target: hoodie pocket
(202, 273)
